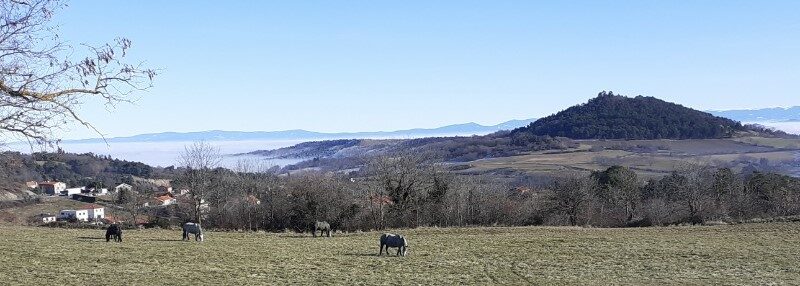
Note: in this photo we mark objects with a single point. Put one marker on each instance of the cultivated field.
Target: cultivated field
(761, 254)
(653, 158)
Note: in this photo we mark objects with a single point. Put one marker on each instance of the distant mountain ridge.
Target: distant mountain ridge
(465, 129)
(777, 114)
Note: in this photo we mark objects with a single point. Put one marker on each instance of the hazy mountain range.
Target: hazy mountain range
(465, 129)
(777, 114)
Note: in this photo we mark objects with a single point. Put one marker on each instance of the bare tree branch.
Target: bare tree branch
(42, 85)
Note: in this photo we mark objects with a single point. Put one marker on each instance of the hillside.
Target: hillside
(73, 169)
(453, 149)
(610, 116)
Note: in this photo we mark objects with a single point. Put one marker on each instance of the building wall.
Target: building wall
(73, 191)
(82, 215)
(98, 213)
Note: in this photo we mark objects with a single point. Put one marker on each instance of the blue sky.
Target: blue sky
(385, 65)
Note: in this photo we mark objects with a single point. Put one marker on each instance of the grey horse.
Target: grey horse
(193, 228)
(394, 240)
(114, 231)
(323, 227)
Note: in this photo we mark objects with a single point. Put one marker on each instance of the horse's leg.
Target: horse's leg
(108, 237)
(119, 237)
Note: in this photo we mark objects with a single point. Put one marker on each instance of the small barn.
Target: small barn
(45, 218)
(84, 198)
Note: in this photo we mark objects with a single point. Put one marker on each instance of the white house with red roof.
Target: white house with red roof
(52, 188)
(165, 199)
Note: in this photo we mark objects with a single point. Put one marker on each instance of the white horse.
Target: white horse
(193, 228)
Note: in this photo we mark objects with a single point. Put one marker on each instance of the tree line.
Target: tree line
(407, 190)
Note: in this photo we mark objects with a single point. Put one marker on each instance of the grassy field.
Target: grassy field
(739, 254)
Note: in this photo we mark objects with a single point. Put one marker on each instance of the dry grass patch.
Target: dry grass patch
(737, 254)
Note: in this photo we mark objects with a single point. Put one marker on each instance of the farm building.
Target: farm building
(90, 212)
(84, 198)
(52, 188)
(71, 191)
(81, 215)
(95, 212)
(45, 218)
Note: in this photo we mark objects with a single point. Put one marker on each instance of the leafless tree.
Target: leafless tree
(133, 201)
(401, 178)
(698, 194)
(571, 193)
(199, 159)
(43, 82)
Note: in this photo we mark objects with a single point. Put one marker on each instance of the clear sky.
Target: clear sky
(385, 65)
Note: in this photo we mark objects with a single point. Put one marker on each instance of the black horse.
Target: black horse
(323, 227)
(114, 231)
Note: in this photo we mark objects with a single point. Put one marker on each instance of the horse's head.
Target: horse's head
(405, 246)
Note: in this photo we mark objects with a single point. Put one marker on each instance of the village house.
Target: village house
(95, 212)
(94, 191)
(87, 213)
(163, 200)
(32, 184)
(81, 215)
(52, 188)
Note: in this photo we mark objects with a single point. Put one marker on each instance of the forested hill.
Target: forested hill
(73, 169)
(610, 116)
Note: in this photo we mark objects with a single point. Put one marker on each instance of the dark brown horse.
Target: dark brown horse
(114, 231)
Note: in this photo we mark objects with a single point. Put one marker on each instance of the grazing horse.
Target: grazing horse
(394, 240)
(322, 227)
(193, 228)
(114, 231)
